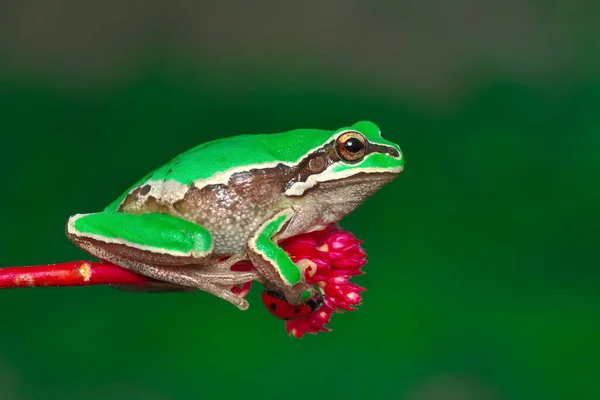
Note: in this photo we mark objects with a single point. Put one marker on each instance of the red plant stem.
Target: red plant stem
(75, 273)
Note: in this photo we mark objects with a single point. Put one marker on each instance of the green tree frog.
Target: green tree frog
(234, 199)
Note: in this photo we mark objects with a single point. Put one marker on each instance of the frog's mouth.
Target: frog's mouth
(360, 178)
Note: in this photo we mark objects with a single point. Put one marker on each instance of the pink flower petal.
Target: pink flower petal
(338, 256)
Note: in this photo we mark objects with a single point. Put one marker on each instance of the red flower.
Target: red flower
(332, 258)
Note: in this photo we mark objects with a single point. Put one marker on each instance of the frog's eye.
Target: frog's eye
(351, 146)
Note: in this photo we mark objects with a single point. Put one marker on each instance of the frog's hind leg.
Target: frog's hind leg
(151, 238)
(160, 247)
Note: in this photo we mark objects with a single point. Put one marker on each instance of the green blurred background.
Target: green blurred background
(483, 256)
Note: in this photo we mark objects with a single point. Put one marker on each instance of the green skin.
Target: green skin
(238, 197)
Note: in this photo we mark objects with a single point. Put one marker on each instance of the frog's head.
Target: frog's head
(351, 165)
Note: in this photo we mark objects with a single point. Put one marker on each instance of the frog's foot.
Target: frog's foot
(223, 274)
(187, 278)
(155, 245)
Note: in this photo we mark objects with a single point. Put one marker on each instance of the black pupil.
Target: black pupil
(353, 145)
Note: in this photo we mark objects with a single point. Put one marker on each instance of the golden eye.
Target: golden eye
(351, 146)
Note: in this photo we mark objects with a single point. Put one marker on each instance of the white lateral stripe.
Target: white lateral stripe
(168, 191)
(73, 231)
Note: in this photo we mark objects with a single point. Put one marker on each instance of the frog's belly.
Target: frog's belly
(231, 219)
(230, 229)
(233, 240)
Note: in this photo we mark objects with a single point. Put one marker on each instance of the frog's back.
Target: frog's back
(226, 155)
(217, 156)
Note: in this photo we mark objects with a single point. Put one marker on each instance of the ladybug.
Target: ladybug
(276, 304)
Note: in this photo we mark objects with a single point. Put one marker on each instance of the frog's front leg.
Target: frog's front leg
(158, 246)
(273, 262)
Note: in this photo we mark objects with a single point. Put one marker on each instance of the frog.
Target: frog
(234, 199)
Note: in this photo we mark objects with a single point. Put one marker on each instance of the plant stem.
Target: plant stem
(75, 273)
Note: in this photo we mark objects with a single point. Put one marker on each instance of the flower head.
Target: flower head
(331, 257)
